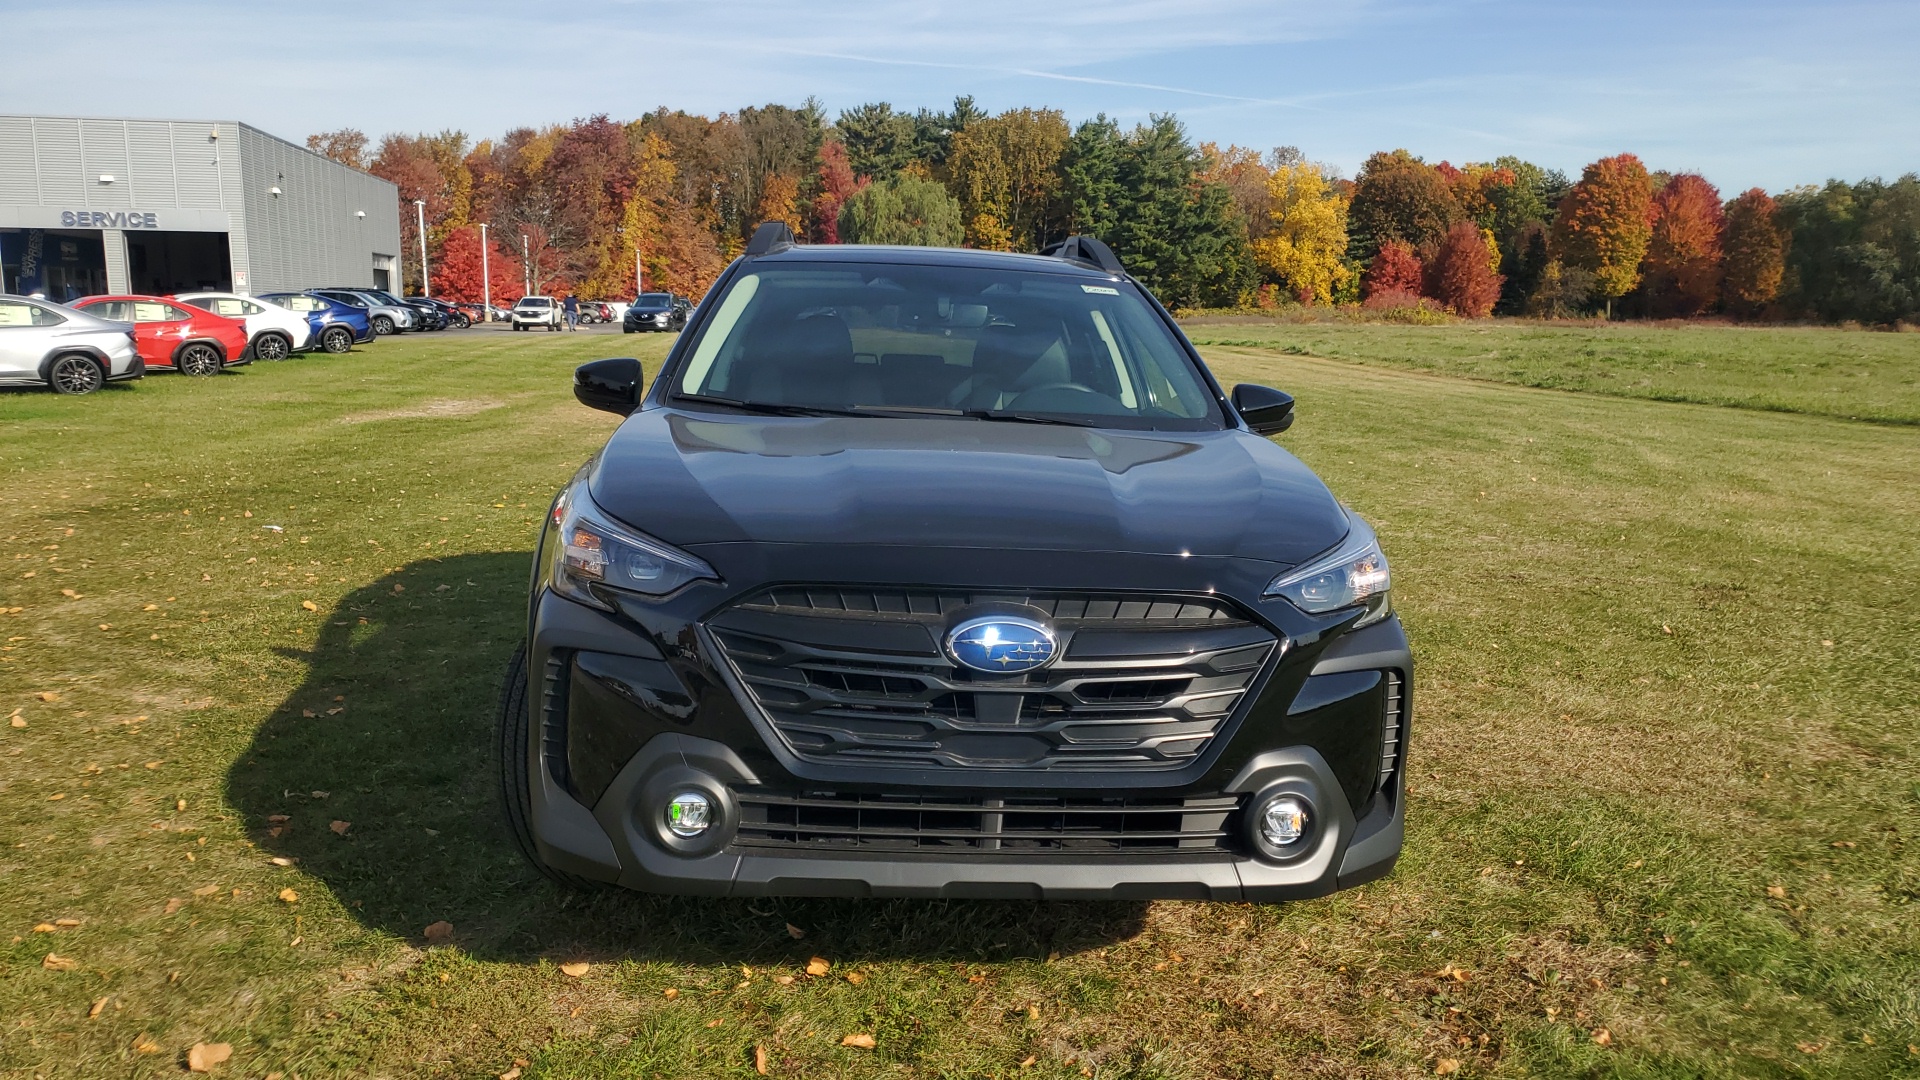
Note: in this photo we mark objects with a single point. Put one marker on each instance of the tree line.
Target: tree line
(580, 207)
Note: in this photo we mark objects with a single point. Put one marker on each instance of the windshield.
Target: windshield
(383, 297)
(534, 301)
(931, 340)
(653, 301)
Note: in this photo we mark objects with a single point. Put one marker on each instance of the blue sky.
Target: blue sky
(1752, 93)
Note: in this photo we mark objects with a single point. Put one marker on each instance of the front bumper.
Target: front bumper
(654, 713)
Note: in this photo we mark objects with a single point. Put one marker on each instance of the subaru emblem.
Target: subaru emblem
(1002, 644)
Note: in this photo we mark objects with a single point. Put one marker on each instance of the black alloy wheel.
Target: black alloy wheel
(199, 359)
(383, 325)
(511, 752)
(336, 340)
(272, 346)
(75, 374)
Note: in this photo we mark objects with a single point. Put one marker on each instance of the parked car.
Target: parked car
(337, 327)
(275, 332)
(178, 337)
(932, 573)
(429, 314)
(387, 315)
(594, 311)
(652, 311)
(454, 313)
(66, 349)
(537, 311)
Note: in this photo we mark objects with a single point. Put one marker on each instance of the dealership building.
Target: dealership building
(91, 206)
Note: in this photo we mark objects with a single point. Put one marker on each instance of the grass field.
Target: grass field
(1851, 374)
(1664, 821)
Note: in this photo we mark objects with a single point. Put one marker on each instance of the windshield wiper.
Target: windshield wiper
(973, 414)
(765, 408)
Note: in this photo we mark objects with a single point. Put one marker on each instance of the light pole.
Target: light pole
(420, 209)
(526, 267)
(639, 271)
(486, 279)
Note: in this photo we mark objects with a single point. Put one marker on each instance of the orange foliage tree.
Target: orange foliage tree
(1683, 255)
(837, 184)
(1462, 276)
(1605, 223)
(457, 272)
(1394, 269)
(1756, 251)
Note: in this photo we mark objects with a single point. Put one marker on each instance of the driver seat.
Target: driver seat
(1008, 360)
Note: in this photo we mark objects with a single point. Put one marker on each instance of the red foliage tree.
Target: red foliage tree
(456, 275)
(1463, 277)
(1756, 251)
(837, 185)
(1394, 269)
(1682, 270)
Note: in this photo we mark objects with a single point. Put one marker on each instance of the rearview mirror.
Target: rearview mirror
(1266, 410)
(609, 385)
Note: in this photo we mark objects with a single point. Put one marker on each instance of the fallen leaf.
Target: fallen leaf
(1778, 892)
(56, 962)
(438, 933)
(1809, 1047)
(575, 969)
(1027, 1062)
(288, 895)
(66, 922)
(49, 695)
(278, 819)
(99, 1005)
(795, 932)
(68, 593)
(818, 966)
(308, 714)
(511, 1074)
(1666, 628)
(1602, 1037)
(44, 928)
(339, 827)
(1446, 1067)
(783, 980)
(760, 1059)
(1843, 844)
(175, 904)
(206, 890)
(856, 978)
(670, 993)
(179, 804)
(204, 1056)
(864, 1042)
(17, 720)
(144, 1045)
(1033, 1012)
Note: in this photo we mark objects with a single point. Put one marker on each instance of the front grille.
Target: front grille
(1390, 738)
(965, 825)
(859, 677)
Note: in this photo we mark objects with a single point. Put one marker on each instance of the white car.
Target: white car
(273, 332)
(536, 311)
(45, 344)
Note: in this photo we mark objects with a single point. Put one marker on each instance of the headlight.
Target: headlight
(1351, 575)
(592, 555)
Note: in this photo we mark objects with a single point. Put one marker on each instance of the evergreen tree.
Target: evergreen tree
(1091, 178)
(879, 141)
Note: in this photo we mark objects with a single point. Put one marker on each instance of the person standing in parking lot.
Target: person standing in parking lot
(573, 312)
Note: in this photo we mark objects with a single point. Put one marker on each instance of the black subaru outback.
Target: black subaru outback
(951, 573)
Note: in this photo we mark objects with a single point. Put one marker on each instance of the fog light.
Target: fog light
(689, 814)
(1284, 821)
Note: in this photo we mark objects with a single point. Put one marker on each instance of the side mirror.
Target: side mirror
(609, 385)
(1266, 410)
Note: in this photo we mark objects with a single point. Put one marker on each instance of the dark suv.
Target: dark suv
(653, 311)
(929, 572)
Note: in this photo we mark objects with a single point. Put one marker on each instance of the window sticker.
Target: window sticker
(1103, 290)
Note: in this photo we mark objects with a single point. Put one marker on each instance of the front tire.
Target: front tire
(75, 374)
(511, 749)
(383, 325)
(272, 347)
(199, 360)
(336, 340)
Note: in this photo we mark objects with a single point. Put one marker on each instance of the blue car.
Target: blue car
(336, 326)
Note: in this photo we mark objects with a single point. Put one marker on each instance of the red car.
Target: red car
(174, 335)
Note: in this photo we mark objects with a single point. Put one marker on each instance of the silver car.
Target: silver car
(386, 318)
(48, 344)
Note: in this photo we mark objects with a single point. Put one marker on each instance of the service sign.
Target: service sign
(123, 219)
(104, 219)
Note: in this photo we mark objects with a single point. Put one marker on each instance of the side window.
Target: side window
(250, 307)
(178, 314)
(232, 308)
(203, 304)
(153, 311)
(14, 313)
(108, 309)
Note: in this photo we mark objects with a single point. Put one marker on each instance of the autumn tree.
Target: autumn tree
(902, 210)
(1399, 197)
(1395, 269)
(1247, 180)
(1008, 170)
(1462, 275)
(837, 183)
(457, 272)
(1305, 250)
(1605, 223)
(348, 146)
(1682, 268)
(1755, 252)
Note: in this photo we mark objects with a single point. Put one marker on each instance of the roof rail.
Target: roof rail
(1085, 249)
(770, 237)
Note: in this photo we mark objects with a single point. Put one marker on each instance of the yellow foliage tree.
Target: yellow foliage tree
(1306, 248)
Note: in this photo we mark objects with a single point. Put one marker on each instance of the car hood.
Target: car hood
(698, 479)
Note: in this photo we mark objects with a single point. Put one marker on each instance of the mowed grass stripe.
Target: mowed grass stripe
(1629, 725)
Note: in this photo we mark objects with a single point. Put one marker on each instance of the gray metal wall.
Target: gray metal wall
(311, 234)
(220, 173)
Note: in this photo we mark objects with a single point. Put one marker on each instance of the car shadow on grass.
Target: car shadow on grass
(377, 776)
